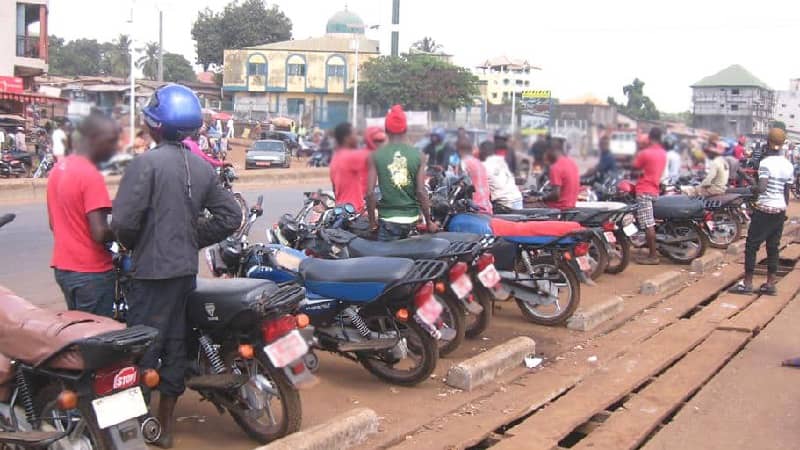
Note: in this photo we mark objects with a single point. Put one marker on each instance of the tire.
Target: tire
(569, 278)
(618, 265)
(455, 317)
(289, 400)
(723, 241)
(44, 405)
(599, 253)
(476, 325)
(701, 241)
(429, 355)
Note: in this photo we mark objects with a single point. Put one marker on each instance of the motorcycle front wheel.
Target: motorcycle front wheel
(422, 353)
(550, 294)
(727, 230)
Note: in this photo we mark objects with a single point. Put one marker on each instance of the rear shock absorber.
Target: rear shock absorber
(25, 396)
(211, 354)
(358, 322)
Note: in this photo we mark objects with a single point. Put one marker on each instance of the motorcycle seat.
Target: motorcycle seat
(604, 206)
(550, 212)
(452, 236)
(357, 279)
(724, 199)
(423, 247)
(745, 191)
(678, 207)
(505, 228)
(240, 290)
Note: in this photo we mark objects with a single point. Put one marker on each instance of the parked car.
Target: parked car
(268, 153)
(288, 138)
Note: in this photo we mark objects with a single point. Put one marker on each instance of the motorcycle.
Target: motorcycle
(227, 175)
(116, 165)
(723, 222)
(320, 158)
(15, 164)
(45, 166)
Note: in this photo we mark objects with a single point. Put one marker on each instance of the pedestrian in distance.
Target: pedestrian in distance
(439, 151)
(77, 208)
(158, 215)
(775, 177)
(399, 170)
(60, 140)
(502, 147)
(650, 162)
(607, 163)
(348, 168)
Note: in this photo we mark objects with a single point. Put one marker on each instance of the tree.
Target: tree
(177, 68)
(427, 45)
(119, 58)
(149, 61)
(418, 82)
(78, 57)
(238, 25)
(639, 106)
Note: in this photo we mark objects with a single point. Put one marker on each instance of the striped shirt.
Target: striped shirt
(778, 172)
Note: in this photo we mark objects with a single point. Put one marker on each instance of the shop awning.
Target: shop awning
(32, 97)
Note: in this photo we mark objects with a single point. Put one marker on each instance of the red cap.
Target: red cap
(372, 136)
(396, 120)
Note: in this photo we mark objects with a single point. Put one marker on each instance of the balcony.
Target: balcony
(28, 47)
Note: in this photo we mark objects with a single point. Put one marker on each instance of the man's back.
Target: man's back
(397, 166)
(651, 161)
(348, 170)
(778, 172)
(564, 173)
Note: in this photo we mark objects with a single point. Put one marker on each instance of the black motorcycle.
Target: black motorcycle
(15, 164)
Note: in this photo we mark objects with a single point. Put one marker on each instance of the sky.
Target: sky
(583, 46)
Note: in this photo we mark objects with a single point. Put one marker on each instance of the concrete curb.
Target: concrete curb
(341, 432)
(485, 367)
(662, 283)
(737, 248)
(589, 318)
(711, 260)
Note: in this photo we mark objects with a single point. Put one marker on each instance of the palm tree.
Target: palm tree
(149, 61)
(120, 56)
(427, 45)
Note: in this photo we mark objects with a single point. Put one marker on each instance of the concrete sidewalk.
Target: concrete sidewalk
(752, 403)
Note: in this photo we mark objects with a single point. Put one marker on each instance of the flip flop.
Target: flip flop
(768, 289)
(647, 261)
(740, 289)
(793, 362)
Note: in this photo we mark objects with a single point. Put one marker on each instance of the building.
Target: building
(305, 79)
(583, 121)
(787, 108)
(504, 75)
(733, 102)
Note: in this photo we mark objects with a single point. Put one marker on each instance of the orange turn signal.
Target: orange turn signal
(67, 400)
(440, 287)
(567, 256)
(302, 321)
(151, 378)
(246, 351)
(402, 315)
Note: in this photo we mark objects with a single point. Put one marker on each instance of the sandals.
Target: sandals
(648, 261)
(741, 289)
(768, 289)
(793, 362)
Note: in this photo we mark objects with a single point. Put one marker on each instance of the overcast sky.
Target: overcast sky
(583, 46)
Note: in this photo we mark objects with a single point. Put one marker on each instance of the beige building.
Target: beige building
(503, 76)
(23, 39)
(304, 79)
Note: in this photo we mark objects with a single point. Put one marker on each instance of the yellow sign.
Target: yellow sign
(536, 94)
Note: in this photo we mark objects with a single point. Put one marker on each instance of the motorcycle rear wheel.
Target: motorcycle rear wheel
(721, 238)
(419, 342)
(598, 253)
(566, 276)
(619, 259)
(477, 324)
(684, 255)
(454, 317)
(51, 417)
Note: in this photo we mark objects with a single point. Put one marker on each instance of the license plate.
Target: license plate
(630, 230)
(711, 225)
(489, 276)
(263, 163)
(462, 286)
(610, 237)
(287, 349)
(118, 408)
(430, 311)
(583, 263)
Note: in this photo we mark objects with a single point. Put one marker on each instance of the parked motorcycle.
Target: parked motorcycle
(45, 166)
(723, 222)
(320, 158)
(15, 164)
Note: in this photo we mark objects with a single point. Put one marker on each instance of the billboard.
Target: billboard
(535, 109)
(12, 85)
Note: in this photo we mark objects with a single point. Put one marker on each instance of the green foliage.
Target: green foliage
(418, 82)
(638, 106)
(177, 68)
(89, 57)
(239, 25)
(684, 117)
(148, 62)
(427, 45)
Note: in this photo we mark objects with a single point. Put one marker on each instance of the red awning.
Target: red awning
(32, 97)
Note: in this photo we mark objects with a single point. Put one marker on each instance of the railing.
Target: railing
(28, 46)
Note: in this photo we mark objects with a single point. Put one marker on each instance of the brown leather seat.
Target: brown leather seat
(33, 335)
(6, 378)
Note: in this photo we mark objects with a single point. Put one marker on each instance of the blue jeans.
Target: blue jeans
(88, 292)
(390, 231)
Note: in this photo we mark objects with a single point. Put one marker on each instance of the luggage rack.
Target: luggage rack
(457, 249)
(283, 301)
(424, 270)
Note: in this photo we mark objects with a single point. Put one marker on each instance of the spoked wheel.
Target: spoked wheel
(86, 435)
(410, 362)
(619, 255)
(693, 245)
(726, 230)
(598, 257)
(548, 295)
(453, 323)
(269, 406)
(476, 324)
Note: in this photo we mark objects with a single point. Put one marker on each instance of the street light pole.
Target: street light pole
(160, 45)
(513, 109)
(132, 101)
(395, 28)
(356, 45)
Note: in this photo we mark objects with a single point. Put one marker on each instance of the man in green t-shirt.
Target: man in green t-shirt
(399, 171)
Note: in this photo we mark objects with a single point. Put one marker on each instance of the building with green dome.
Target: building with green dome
(304, 79)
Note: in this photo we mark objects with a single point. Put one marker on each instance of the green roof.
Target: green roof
(733, 76)
(345, 22)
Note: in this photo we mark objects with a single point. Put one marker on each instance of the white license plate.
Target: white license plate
(630, 230)
(583, 263)
(711, 225)
(119, 407)
(287, 349)
(489, 276)
(263, 164)
(610, 237)
(462, 286)
(430, 311)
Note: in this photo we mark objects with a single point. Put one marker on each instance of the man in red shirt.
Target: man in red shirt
(650, 162)
(739, 150)
(564, 177)
(349, 168)
(77, 206)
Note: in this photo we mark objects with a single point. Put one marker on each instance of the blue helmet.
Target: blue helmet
(439, 132)
(174, 111)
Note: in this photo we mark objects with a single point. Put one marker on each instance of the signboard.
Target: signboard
(535, 111)
(536, 94)
(13, 85)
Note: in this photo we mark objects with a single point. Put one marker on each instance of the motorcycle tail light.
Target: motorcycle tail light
(459, 269)
(299, 368)
(151, 378)
(246, 351)
(109, 380)
(275, 329)
(581, 249)
(401, 315)
(424, 294)
(609, 226)
(485, 260)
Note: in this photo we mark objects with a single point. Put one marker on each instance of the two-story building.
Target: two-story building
(305, 79)
(733, 102)
(787, 108)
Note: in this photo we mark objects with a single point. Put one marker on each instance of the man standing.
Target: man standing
(502, 146)
(399, 171)
(717, 174)
(229, 129)
(438, 150)
(775, 176)
(650, 162)
(19, 140)
(503, 187)
(348, 168)
(472, 167)
(607, 163)
(60, 141)
(739, 149)
(158, 214)
(78, 207)
(564, 178)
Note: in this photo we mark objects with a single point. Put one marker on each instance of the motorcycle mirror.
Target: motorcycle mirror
(349, 209)
(338, 211)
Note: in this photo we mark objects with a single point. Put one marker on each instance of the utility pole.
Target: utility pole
(356, 45)
(132, 101)
(160, 45)
(513, 109)
(395, 27)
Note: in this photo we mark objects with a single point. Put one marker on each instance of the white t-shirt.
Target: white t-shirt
(779, 172)
(59, 142)
(502, 185)
(672, 171)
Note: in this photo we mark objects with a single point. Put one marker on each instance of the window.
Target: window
(336, 71)
(519, 82)
(791, 116)
(722, 105)
(296, 70)
(506, 81)
(734, 107)
(783, 105)
(494, 95)
(527, 82)
(256, 69)
(293, 105)
(734, 92)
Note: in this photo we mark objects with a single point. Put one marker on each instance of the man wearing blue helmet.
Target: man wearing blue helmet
(158, 215)
(438, 150)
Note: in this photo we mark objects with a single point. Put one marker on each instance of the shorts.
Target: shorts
(644, 210)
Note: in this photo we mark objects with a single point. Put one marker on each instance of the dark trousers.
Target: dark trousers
(161, 304)
(763, 228)
(88, 292)
(390, 231)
